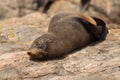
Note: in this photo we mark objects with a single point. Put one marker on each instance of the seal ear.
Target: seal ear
(104, 29)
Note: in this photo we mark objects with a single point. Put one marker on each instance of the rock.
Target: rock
(114, 12)
(21, 31)
(26, 6)
(97, 61)
(77, 77)
(8, 8)
(9, 74)
(109, 8)
(18, 8)
(66, 6)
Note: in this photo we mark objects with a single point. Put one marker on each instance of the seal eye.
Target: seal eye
(41, 46)
(49, 41)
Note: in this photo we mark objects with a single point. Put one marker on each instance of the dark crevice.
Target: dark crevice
(84, 5)
(47, 6)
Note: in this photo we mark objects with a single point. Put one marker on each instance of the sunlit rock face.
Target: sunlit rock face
(18, 8)
(99, 61)
(110, 8)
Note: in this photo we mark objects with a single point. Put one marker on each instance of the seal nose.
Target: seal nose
(36, 53)
(33, 52)
(29, 53)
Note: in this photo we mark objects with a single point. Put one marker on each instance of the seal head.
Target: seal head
(39, 47)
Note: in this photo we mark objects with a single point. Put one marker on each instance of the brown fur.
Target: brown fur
(66, 32)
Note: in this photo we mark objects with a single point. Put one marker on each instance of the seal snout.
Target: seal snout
(34, 52)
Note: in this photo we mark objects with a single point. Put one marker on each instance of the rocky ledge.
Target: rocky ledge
(97, 61)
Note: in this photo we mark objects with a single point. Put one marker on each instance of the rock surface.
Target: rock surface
(110, 8)
(100, 61)
(18, 8)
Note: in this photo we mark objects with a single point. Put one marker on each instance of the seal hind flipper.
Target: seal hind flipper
(91, 29)
(88, 18)
(98, 31)
(101, 23)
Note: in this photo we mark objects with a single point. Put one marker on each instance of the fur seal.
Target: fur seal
(66, 32)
